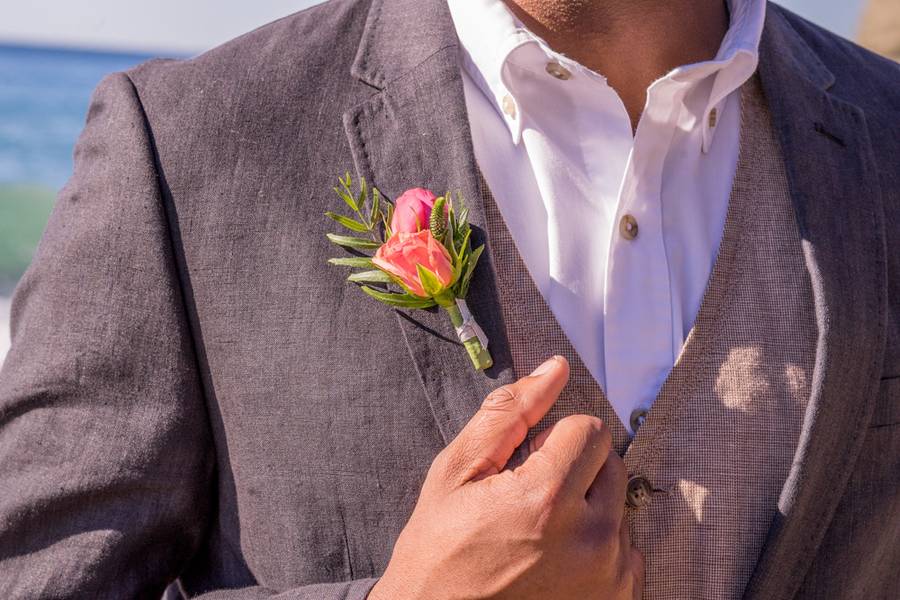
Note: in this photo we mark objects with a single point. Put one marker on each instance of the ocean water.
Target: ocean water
(44, 95)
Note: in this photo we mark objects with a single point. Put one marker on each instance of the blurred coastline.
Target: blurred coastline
(23, 214)
(44, 94)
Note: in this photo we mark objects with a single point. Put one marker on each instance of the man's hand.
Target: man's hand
(551, 528)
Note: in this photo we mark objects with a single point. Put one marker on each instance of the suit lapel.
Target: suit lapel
(837, 200)
(414, 131)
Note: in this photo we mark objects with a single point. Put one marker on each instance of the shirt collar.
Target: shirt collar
(489, 33)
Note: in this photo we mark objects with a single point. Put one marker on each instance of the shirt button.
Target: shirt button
(637, 418)
(628, 227)
(713, 117)
(558, 71)
(638, 492)
(509, 106)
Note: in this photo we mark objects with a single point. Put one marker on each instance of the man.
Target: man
(880, 28)
(193, 394)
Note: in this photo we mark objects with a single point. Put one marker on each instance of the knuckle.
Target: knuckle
(600, 433)
(591, 429)
(604, 434)
(586, 433)
(504, 398)
(456, 464)
(504, 405)
(546, 499)
(551, 494)
(585, 422)
(576, 427)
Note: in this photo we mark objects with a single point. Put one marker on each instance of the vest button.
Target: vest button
(638, 492)
(638, 416)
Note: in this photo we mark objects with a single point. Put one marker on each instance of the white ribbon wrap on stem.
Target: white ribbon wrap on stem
(469, 328)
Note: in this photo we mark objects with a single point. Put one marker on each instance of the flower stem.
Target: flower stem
(481, 358)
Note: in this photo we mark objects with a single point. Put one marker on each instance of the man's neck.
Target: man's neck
(630, 42)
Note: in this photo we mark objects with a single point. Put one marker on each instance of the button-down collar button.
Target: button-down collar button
(628, 227)
(509, 106)
(558, 71)
(713, 117)
(638, 492)
(638, 416)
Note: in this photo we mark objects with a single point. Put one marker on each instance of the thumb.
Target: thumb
(489, 439)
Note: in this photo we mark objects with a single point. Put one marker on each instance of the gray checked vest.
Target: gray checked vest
(712, 455)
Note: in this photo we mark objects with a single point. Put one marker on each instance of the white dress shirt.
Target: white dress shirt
(619, 230)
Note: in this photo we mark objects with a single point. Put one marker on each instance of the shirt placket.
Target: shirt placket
(638, 296)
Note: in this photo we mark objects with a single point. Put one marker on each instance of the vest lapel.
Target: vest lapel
(837, 201)
(414, 131)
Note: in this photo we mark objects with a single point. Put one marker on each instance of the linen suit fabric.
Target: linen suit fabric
(192, 393)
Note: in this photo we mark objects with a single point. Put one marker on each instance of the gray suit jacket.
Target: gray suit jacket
(192, 392)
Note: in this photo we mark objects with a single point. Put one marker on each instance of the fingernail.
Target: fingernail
(544, 368)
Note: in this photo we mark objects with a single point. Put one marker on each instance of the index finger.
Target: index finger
(489, 439)
(572, 452)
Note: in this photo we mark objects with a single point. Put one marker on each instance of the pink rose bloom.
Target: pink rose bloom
(404, 250)
(412, 210)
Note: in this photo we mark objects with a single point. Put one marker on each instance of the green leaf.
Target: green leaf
(348, 222)
(352, 242)
(460, 232)
(464, 247)
(450, 246)
(430, 283)
(347, 192)
(375, 276)
(462, 219)
(387, 217)
(363, 193)
(452, 219)
(465, 242)
(376, 206)
(470, 270)
(398, 300)
(457, 270)
(348, 200)
(352, 261)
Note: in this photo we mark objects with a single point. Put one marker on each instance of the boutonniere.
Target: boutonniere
(422, 247)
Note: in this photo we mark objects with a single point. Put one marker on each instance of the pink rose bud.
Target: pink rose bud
(412, 210)
(404, 250)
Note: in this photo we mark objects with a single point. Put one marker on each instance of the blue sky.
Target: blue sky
(190, 26)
